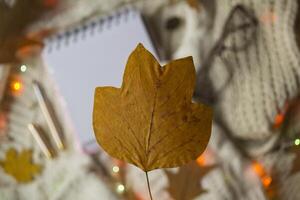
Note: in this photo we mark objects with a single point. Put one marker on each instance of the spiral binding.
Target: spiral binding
(93, 26)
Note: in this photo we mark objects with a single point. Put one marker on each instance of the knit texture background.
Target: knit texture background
(265, 75)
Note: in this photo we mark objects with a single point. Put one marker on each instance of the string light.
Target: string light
(201, 160)
(258, 169)
(268, 17)
(279, 118)
(266, 180)
(50, 3)
(16, 87)
(297, 142)
(115, 169)
(206, 158)
(23, 68)
(120, 188)
(3, 122)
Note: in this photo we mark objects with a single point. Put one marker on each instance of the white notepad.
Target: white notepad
(96, 58)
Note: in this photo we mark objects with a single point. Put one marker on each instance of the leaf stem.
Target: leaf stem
(148, 184)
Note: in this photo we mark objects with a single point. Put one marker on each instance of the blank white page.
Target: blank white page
(99, 59)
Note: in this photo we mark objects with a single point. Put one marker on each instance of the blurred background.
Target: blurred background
(53, 53)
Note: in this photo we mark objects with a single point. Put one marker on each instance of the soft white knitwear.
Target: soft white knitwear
(266, 74)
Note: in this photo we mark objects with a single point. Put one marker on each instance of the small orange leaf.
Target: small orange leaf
(151, 121)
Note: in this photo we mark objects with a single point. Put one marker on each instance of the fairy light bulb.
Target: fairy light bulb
(23, 68)
(266, 180)
(120, 188)
(3, 121)
(16, 87)
(268, 17)
(201, 160)
(297, 142)
(50, 3)
(258, 169)
(115, 169)
(279, 118)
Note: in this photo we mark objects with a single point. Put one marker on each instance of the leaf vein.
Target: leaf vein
(128, 125)
(171, 150)
(173, 91)
(168, 132)
(126, 149)
(134, 96)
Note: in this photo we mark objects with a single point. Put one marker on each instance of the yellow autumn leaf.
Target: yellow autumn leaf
(20, 165)
(150, 121)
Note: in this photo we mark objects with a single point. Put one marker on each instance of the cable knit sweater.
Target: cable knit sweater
(265, 75)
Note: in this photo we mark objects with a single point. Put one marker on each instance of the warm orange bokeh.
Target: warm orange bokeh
(3, 121)
(50, 3)
(258, 169)
(16, 86)
(201, 160)
(268, 17)
(266, 181)
(261, 172)
(279, 118)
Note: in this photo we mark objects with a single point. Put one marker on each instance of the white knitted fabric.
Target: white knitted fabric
(265, 75)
